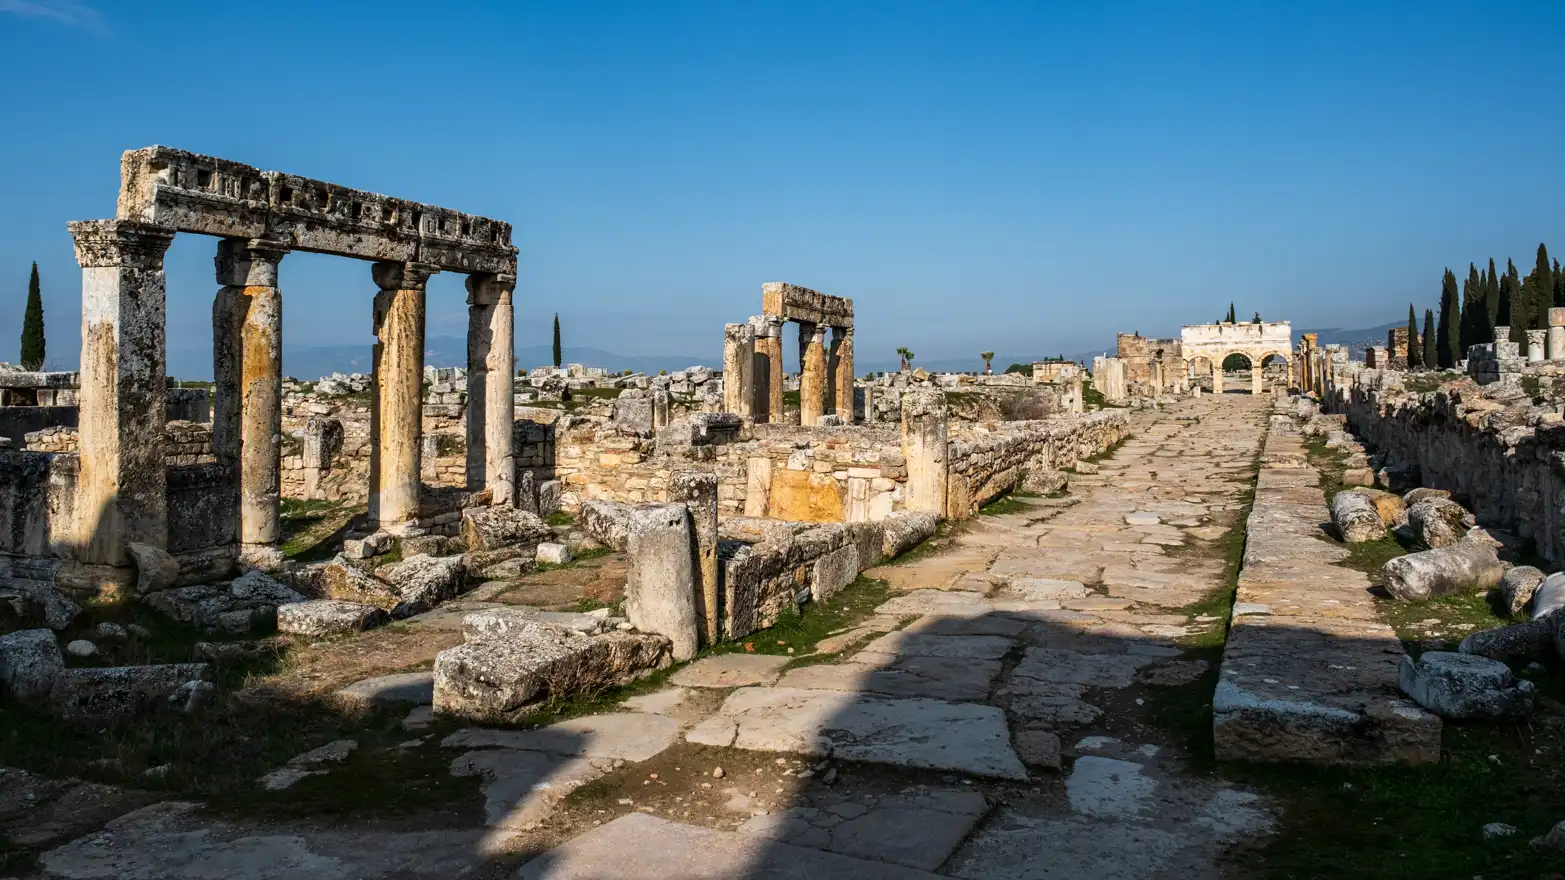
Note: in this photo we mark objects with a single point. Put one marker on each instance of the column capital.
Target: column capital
(248, 262)
(120, 243)
(842, 332)
(812, 333)
(402, 276)
(489, 288)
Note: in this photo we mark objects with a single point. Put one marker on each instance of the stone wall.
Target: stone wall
(1500, 455)
(988, 462)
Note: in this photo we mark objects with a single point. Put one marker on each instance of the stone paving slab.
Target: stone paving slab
(923, 644)
(638, 846)
(933, 734)
(731, 670)
(940, 678)
(919, 830)
(630, 736)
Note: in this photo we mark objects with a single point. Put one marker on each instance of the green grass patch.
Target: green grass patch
(560, 518)
(583, 556)
(1423, 383)
(1010, 502)
(805, 625)
(313, 530)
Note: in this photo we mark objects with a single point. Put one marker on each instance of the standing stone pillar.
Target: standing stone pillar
(767, 371)
(738, 364)
(122, 486)
(491, 381)
(1217, 375)
(1257, 376)
(247, 388)
(659, 587)
(1536, 339)
(1556, 339)
(926, 449)
(812, 373)
(842, 372)
(698, 491)
(397, 411)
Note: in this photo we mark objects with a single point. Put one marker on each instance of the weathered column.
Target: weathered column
(768, 369)
(1556, 342)
(1217, 375)
(1257, 377)
(247, 388)
(399, 376)
(698, 491)
(660, 585)
(491, 380)
(926, 449)
(842, 372)
(738, 364)
(1536, 340)
(812, 373)
(122, 487)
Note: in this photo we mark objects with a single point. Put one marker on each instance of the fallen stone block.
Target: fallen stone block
(1392, 510)
(608, 522)
(1355, 518)
(905, 530)
(155, 568)
(341, 579)
(1550, 596)
(501, 623)
(1465, 566)
(1517, 587)
(1529, 640)
(550, 553)
(30, 661)
(327, 617)
(35, 601)
(1465, 686)
(490, 528)
(1439, 522)
(422, 582)
(115, 694)
(489, 679)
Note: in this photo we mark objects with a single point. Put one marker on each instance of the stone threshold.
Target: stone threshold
(1309, 671)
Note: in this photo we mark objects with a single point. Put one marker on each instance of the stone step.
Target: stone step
(638, 846)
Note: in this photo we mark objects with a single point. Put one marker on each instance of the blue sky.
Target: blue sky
(1022, 177)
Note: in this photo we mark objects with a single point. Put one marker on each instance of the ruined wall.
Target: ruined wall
(986, 463)
(1503, 458)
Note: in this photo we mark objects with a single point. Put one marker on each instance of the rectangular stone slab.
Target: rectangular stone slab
(933, 734)
(638, 846)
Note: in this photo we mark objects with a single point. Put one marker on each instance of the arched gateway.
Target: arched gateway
(1255, 342)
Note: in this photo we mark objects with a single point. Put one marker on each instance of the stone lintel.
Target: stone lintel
(792, 303)
(189, 192)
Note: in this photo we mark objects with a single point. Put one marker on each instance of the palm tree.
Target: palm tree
(987, 356)
(905, 355)
(908, 353)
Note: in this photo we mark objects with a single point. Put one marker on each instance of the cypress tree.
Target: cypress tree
(1559, 285)
(1431, 357)
(1414, 350)
(1542, 290)
(1231, 313)
(1494, 303)
(32, 326)
(1516, 301)
(557, 352)
(1453, 319)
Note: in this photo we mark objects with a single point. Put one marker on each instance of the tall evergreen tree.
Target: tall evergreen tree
(1431, 358)
(1515, 298)
(1495, 303)
(1541, 295)
(32, 325)
(1414, 350)
(1231, 313)
(557, 350)
(1448, 339)
(1559, 285)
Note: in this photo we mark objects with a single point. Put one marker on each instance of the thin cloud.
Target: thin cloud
(71, 13)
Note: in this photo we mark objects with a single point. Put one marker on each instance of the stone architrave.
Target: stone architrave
(491, 381)
(812, 373)
(842, 372)
(926, 449)
(660, 590)
(396, 417)
(1556, 337)
(698, 491)
(738, 365)
(247, 370)
(121, 491)
(1536, 340)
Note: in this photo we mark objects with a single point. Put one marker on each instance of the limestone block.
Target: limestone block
(1530, 640)
(30, 661)
(1468, 565)
(660, 594)
(113, 694)
(341, 579)
(327, 617)
(1465, 686)
(1550, 597)
(905, 530)
(422, 582)
(1390, 506)
(551, 553)
(155, 568)
(1439, 522)
(608, 522)
(501, 623)
(549, 492)
(1355, 518)
(490, 528)
(833, 571)
(1517, 587)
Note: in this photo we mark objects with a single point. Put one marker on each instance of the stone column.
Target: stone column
(842, 372)
(698, 491)
(767, 372)
(397, 412)
(812, 373)
(926, 450)
(659, 593)
(1536, 339)
(491, 381)
(247, 388)
(1217, 374)
(122, 487)
(738, 364)
(1257, 376)
(1556, 339)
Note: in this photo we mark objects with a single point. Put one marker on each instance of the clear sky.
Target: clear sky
(1022, 177)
